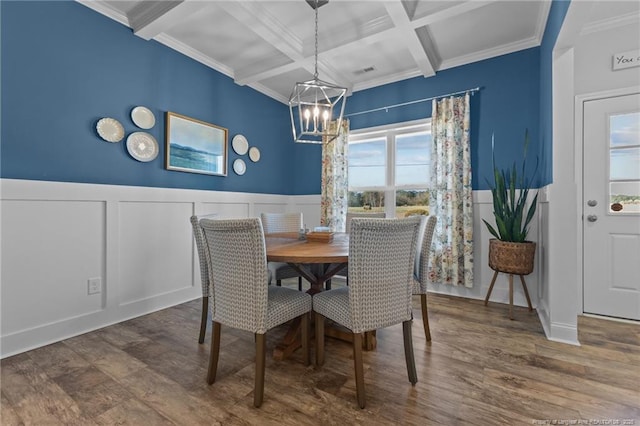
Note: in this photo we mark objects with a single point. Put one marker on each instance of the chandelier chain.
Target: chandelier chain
(315, 105)
(315, 74)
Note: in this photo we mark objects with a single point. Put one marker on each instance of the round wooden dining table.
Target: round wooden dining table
(317, 262)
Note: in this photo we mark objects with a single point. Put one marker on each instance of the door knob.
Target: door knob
(592, 218)
(592, 203)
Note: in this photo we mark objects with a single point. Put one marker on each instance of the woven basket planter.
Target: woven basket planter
(511, 258)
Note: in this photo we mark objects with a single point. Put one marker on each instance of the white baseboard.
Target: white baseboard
(564, 333)
(57, 235)
(137, 240)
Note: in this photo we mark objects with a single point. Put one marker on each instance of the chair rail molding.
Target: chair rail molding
(138, 241)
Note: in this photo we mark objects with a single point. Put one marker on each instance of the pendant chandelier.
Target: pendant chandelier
(315, 104)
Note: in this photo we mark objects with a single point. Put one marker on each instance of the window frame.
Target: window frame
(389, 132)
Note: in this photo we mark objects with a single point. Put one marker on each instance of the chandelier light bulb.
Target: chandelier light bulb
(316, 99)
(316, 114)
(307, 115)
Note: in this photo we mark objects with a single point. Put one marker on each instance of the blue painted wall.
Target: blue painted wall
(506, 105)
(65, 66)
(557, 13)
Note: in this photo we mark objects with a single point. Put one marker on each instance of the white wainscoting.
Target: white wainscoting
(137, 240)
(56, 236)
(482, 274)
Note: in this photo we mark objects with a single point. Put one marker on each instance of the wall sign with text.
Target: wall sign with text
(626, 60)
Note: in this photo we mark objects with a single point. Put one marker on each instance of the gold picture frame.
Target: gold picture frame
(195, 146)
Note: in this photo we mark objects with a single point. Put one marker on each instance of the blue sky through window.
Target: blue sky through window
(413, 155)
(367, 161)
(624, 159)
(624, 132)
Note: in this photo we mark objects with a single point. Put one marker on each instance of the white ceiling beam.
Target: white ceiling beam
(261, 22)
(451, 12)
(400, 29)
(150, 19)
(398, 15)
(270, 29)
(248, 76)
(308, 64)
(328, 73)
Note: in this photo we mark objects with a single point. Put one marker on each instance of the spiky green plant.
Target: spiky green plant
(510, 193)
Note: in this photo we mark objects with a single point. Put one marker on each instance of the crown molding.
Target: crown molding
(386, 80)
(193, 54)
(106, 10)
(541, 25)
(611, 23)
(490, 53)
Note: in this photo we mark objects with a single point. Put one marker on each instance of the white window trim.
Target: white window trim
(389, 132)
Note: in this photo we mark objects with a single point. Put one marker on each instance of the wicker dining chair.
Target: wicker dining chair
(241, 298)
(421, 275)
(282, 222)
(381, 262)
(350, 215)
(204, 274)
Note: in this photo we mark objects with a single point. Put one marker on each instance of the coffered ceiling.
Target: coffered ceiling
(269, 44)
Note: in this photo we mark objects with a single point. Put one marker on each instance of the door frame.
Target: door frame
(579, 163)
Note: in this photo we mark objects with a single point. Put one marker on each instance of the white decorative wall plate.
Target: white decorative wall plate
(143, 117)
(142, 146)
(240, 144)
(239, 167)
(254, 154)
(110, 129)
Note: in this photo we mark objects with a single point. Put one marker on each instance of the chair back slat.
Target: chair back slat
(381, 268)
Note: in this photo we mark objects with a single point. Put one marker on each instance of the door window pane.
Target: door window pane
(413, 158)
(624, 197)
(367, 163)
(624, 130)
(624, 163)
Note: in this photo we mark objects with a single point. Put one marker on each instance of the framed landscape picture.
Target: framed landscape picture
(195, 146)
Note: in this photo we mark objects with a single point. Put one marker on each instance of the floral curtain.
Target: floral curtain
(450, 193)
(334, 197)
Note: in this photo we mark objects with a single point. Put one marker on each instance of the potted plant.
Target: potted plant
(510, 251)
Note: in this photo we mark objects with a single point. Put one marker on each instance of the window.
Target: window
(389, 169)
(624, 163)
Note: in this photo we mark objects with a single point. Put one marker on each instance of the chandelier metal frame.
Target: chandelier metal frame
(312, 103)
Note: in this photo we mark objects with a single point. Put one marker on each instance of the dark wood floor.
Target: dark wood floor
(481, 368)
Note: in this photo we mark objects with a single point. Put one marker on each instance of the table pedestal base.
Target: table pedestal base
(292, 340)
(368, 342)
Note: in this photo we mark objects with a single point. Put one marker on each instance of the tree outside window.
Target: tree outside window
(389, 169)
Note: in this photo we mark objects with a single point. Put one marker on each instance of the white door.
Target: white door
(611, 210)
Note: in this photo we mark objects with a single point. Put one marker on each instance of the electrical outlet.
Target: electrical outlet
(95, 285)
